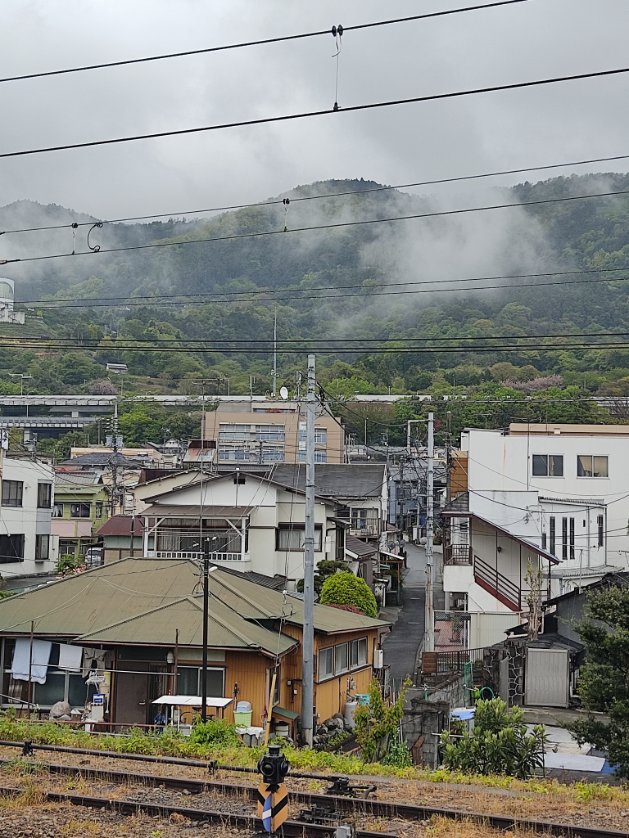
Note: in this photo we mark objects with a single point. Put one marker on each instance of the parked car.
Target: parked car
(94, 556)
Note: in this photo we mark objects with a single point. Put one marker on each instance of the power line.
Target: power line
(268, 120)
(252, 295)
(297, 348)
(322, 196)
(316, 227)
(138, 343)
(262, 42)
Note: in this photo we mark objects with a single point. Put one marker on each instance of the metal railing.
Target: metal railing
(454, 554)
(497, 584)
(214, 557)
(441, 663)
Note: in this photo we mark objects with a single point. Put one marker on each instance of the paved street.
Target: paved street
(402, 644)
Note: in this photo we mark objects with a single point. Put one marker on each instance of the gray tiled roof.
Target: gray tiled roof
(360, 480)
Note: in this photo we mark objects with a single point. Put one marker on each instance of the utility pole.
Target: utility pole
(429, 630)
(114, 458)
(274, 370)
(307, 705)
(206, 609)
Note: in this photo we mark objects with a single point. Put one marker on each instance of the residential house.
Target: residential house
(139, 624)
(26, 547)
(359, 490)
(271, 432)
(79, 510)
(564, 486)
(248, 523)
(122, 536)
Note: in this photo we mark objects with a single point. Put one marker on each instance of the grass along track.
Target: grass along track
(352, 808)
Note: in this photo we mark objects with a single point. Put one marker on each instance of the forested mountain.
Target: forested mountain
(556, 269)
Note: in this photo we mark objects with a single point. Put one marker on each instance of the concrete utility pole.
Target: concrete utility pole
(274, 370)
(307, 701)
(206, 608)
(429, 636)
(114, 459)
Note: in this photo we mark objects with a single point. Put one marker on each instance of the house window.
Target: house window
(564, 538)
(321, 436)
(572, 538)
(341, 658)
(365, 520)
(358, 652)
(99, 509)
(42, 548)
(44, 495)
(600, 521)
(12, 491)
(552, 535)
(11, 548)
(336, 660)
(79, 510)
(547, 465)
(291, 537)
(320, 457)
(57, 510)
(543, 541)
(189, 681)
(592, 466)
(326, 663)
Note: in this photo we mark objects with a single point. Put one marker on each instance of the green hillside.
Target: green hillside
(237, 283)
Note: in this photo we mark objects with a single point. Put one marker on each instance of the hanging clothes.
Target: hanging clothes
(70, 657)
(38, 665)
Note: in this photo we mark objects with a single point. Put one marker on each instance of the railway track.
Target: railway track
(325, 808)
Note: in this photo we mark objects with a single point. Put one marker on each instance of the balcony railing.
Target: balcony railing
(457, 554)
(497, 584)
(214, 557)
(364, 527)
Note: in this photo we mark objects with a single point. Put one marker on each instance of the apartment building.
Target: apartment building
(555, 495)
(26, 507)
(271, 432)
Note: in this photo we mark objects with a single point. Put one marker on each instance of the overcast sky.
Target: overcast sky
(497, 46)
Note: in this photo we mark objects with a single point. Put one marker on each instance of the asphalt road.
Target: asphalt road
(402, 644)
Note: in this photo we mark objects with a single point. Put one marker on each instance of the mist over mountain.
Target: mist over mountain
(446, 272)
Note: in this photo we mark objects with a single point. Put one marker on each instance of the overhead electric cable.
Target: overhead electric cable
(261, 42)
(314, 227)
(321, 196)
(268, 120)
(252, 294)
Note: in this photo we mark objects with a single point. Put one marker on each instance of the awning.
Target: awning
(192, 701)
(285, 713)
(195, 511)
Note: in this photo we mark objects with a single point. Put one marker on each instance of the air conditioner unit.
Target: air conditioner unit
(378, 659)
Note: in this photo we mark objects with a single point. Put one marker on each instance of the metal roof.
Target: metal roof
(335, 480)
(121, 525)
(165, 510)
(358, 548)
(118, 593)
(159, 627)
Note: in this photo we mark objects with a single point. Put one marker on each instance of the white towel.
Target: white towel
(39, 662)
(70, 657)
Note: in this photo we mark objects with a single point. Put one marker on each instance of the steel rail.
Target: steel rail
(301, 829)
(161, 760)
(364, 806)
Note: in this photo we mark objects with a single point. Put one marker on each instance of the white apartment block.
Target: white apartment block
(25, 514)
(562, 489)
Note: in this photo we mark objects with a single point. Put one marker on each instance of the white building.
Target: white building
(25, 513)
(7, 296)
(556, 496)
(247, 522)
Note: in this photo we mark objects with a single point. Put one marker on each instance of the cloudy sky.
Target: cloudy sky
(530, 40)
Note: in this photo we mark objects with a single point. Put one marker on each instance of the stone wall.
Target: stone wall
(427, 713)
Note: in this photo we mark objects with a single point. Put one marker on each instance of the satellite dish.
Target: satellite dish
(284, 393)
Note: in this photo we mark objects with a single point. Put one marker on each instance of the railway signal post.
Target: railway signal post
(272, 792)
